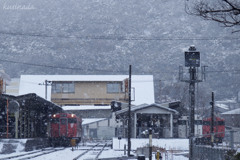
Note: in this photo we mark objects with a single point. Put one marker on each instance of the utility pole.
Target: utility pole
(7, 119)
(150, 143)
(192, 71)
(192, 60)
(1, 86)
(129, 110)
(46, 83)
(212, 120)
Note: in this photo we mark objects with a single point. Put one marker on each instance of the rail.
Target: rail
(42, 152)
(99, 153)
(93, 149)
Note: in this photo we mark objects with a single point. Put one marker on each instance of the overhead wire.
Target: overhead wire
(115, 71)
(223, 71)
(57, 67)
(112, 37)
(117, 37)
(73, 68)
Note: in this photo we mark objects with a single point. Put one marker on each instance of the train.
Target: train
(202, 129)
(218, 130)
(65, 127)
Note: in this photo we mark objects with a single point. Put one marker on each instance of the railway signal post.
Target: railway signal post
(192, 60)
(212, 121)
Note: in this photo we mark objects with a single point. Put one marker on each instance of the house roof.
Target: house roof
(223, 106)
(143, 106)
(235, 111)
(85, 107)
(86, 121)
(34, 102)
(143, 84)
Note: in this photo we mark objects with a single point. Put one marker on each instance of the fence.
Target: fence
(219, 151)
(208, 153)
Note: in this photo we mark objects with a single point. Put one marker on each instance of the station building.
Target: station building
(90, 97)
(162, 120)
(25, 116)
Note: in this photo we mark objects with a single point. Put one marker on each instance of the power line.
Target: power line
(58, 67)
(111, 71)
(224, 71)
(117, 37)
(74, 68)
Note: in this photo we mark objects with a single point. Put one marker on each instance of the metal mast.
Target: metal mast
(192, 60)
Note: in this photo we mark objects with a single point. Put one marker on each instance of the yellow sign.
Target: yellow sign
(73, 142)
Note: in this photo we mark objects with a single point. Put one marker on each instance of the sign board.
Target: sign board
(192, 59)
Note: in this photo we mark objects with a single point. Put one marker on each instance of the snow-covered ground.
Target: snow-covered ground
(168, 144)
(181, 145)
(18, 145)
(175, 147)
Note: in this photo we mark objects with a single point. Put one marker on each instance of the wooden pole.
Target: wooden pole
(7, 118)
(129, 110)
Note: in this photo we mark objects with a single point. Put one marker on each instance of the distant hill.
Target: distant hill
(105, 36)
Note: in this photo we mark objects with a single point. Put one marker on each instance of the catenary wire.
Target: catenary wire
(115, 71)
(117, 37)
(72, 68)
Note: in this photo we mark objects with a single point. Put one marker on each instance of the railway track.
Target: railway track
(92, 150)
(34, 154)
(92, 153)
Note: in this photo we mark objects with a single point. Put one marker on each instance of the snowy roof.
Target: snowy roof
(227, 101)
(86, 121)
(143, 84)
(235, 111)
(142, 106)
(223, 106)
(86, 107)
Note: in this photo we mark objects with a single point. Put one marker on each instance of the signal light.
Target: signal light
(115, 106)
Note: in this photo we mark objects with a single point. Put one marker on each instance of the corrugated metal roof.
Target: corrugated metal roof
(235, 111)
(85, 107)
(143, 106)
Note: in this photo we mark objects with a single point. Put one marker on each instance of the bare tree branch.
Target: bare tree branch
(226, 12)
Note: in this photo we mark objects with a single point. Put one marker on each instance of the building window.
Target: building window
(113, 87)
(63, 87)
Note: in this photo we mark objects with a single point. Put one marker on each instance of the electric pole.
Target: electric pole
(212, 120)
(192, 60)
(129, 110)
(150, 143)
(46, 83)
(192, 71)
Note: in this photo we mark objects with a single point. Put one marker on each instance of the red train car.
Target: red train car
(218, 129)
(63, 128)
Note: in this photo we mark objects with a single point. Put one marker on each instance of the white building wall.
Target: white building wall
(105, 132)
(105, 129)
(143, 84)
(12, 88)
